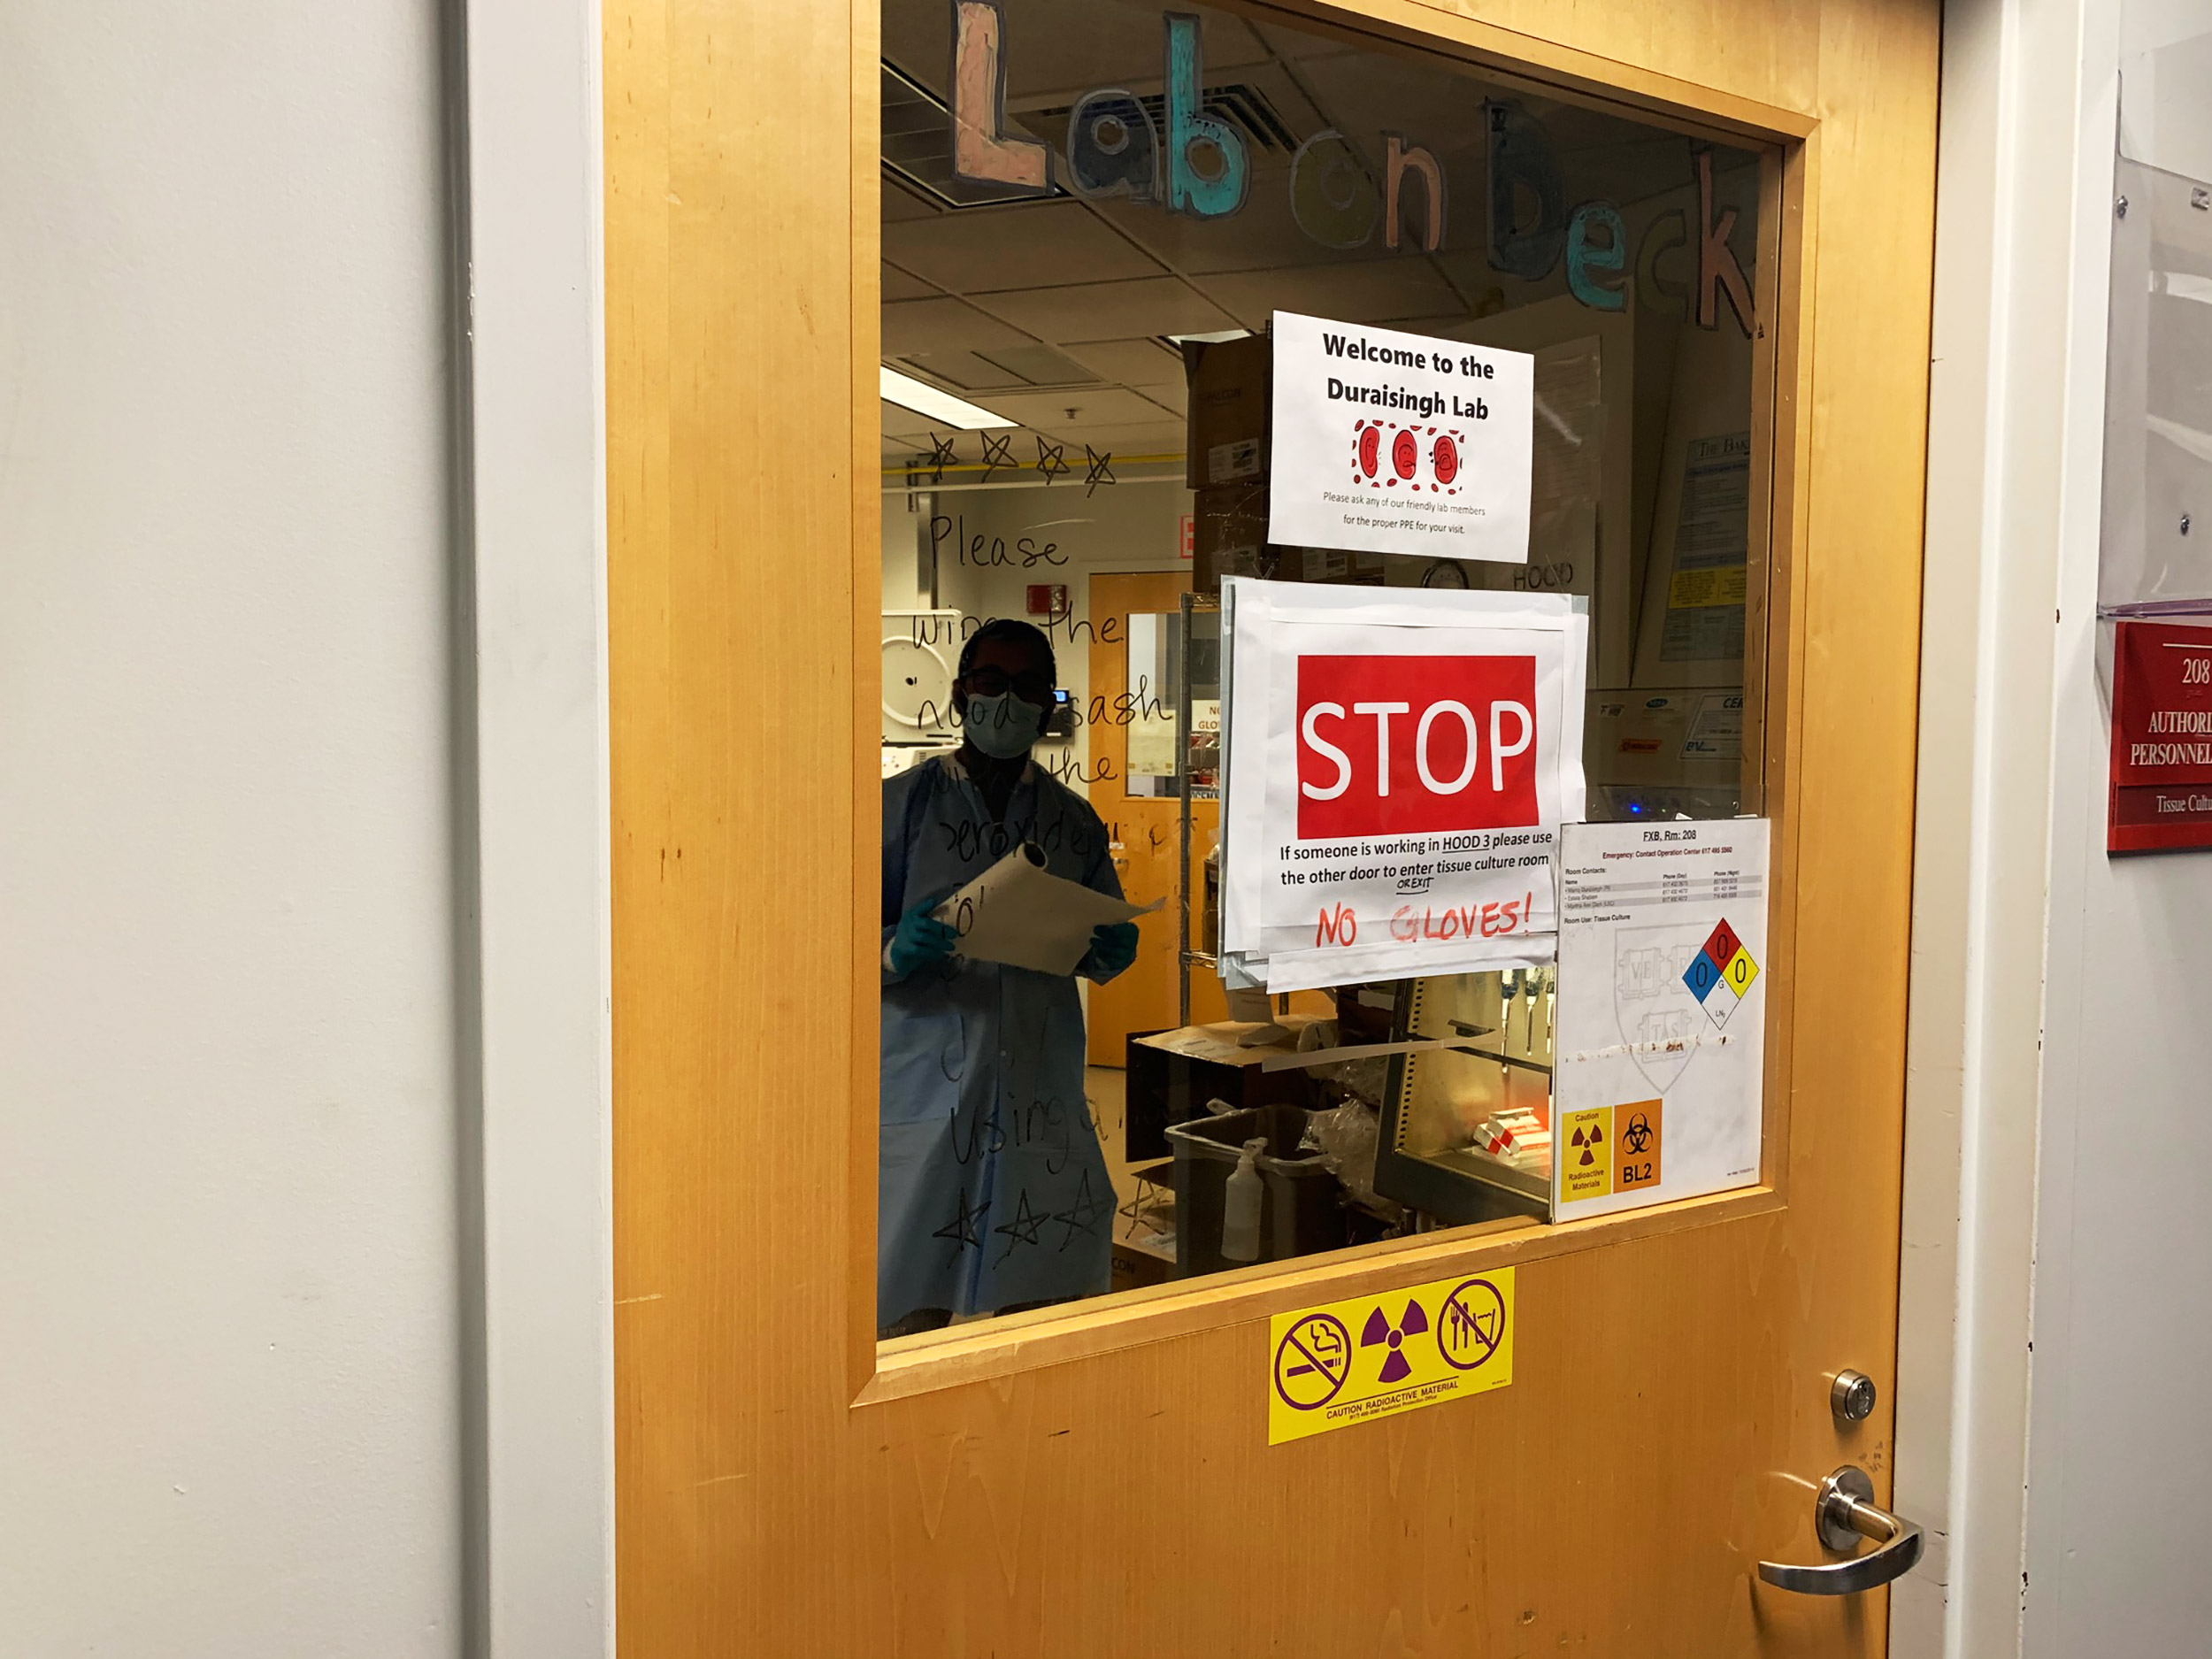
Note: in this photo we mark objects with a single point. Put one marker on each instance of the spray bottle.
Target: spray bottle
(1240, 1206)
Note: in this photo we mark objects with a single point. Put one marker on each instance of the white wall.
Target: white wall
(229, 1367)
(2117, 1465)
(2057, 1273)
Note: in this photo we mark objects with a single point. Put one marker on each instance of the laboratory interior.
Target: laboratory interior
(1076, 417)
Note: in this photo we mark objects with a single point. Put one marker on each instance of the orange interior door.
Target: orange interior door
(1147, 836)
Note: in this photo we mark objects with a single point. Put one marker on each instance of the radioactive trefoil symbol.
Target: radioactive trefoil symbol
(1379, 1329)
(1589, 1141)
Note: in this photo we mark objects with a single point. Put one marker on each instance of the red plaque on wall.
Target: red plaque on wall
(2161, 738)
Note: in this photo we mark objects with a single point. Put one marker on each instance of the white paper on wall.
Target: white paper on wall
(1396, 772)
(1391, 442)
(1660, 1033)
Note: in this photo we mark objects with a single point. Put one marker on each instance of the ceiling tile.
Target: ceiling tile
(962, 370)
(911, 326)
(897, 284)
(1043, 365)
(1262, 233)
(1108, 310)
(900, 203)
(1298, 45)
(1140, 362)
(1042, 244)
(1173, 396)
(1378, 291)
(1093, 406)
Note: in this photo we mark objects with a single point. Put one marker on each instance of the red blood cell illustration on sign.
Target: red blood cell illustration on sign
(1444, 458)
(1370, 451)
(1405, 452)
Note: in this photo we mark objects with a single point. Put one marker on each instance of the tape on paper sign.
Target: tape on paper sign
(1375, 1356)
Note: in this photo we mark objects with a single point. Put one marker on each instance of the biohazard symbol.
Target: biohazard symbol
(1637, 1138)
(1589, 1142)
(1379, 1329)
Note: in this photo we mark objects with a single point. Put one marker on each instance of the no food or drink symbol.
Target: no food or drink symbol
(1312, 1361)
(1472, 1325)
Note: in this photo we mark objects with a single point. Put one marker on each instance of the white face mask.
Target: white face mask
(1004, 726)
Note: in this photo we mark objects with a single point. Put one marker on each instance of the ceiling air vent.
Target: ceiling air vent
(917, 146)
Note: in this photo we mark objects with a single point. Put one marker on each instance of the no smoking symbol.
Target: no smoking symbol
(1312, 1361)
(1472, 1325)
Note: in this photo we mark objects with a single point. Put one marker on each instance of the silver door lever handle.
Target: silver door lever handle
(1843, 1513)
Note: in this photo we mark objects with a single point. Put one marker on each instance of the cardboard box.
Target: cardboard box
(1229, 538)
(1229, 535)
(1231, 387)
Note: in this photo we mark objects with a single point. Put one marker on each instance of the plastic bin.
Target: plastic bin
(1301, 1203)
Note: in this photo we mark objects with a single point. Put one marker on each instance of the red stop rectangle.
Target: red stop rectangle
(1403, 745)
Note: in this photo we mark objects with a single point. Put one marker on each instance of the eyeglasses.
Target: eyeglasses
(995, 682)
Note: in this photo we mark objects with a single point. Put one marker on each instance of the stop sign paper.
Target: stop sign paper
(1396, 775)
(1443, 743)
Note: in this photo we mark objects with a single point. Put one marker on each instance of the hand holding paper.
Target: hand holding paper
(1018, 913)
(1113, 946)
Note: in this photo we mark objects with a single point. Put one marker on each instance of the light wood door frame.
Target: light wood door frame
(780, 1485)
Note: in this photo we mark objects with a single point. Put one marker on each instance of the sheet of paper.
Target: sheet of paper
(1019, 913)
(1399, 818)
(1391, 442)
(1662, 1012)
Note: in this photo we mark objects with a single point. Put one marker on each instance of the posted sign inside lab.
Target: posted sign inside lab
(1397, 772)
(1661, 1013)
(1390, 443)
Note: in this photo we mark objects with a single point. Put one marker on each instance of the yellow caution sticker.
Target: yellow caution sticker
(1584, 1149)
(1713, 584)
(1375, 1356)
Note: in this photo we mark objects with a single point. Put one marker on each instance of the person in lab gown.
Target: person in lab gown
(994, 1192)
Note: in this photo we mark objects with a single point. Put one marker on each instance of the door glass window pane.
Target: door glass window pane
(1079, 277)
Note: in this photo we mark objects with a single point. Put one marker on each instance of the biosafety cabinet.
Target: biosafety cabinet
(1465, 1132)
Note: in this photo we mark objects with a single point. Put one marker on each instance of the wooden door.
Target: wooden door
(1099, 1481)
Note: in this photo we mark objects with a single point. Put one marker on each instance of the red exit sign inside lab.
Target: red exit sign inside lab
(2161, 738)
(1400, 745)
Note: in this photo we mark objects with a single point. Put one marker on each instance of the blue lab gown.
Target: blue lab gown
(993, 1190)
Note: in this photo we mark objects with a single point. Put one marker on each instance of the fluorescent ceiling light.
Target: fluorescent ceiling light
(1214, 338)
(924, 399)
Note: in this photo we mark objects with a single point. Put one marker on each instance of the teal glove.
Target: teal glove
(1113, 947)
(920, 939)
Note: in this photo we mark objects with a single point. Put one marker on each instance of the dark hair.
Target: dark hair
(1014, 631)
